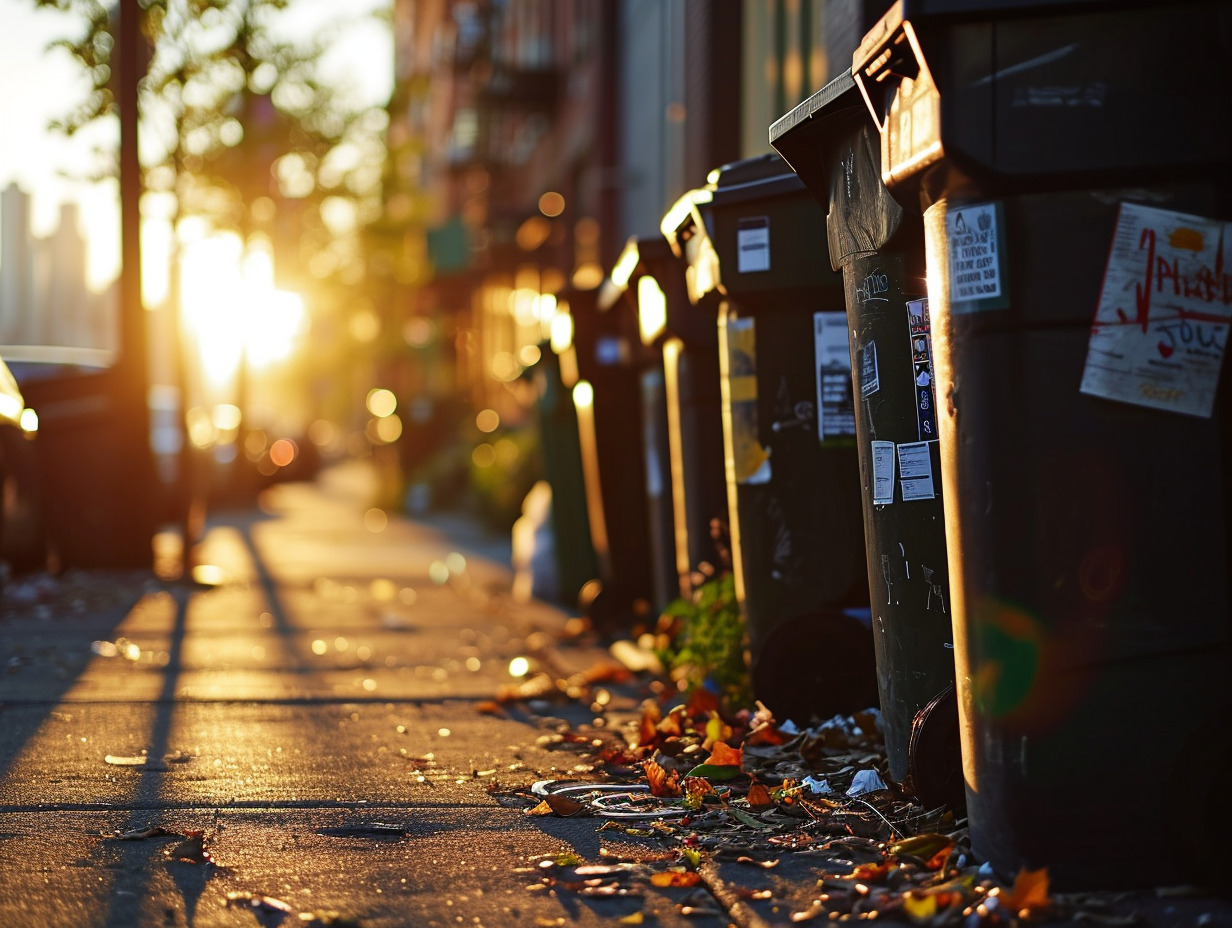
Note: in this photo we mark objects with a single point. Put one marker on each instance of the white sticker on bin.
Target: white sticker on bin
(753, 244)
(977, 268)
(883, 473)
(915, 470)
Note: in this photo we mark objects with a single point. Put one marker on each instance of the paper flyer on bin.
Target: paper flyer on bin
(1161, 325)
(836, 410)
(883, 473)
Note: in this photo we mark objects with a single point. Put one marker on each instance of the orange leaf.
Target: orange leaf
(1030, 890)
(724, 755)
(607, 672)
(648, 729)
(661, 782)
(759, 797)
(697, 786)
(702, 702)
(671, 726)
(871, 873)
(680, 878)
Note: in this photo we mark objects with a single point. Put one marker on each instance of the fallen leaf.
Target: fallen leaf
(759, 797)
(662, 784)
(715, 772)
(648, 727)
(724, 755)
(703, 702)
(871, 873)
(919, 908)
(697, 787)
(564, 806)
(635, 918)
(607, 672)
(192, 849)
(140, 834)
(1030, 890)
(676, 878)
(934, 849)
(489, 707)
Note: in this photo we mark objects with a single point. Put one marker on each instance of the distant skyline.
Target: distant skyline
(37, 85)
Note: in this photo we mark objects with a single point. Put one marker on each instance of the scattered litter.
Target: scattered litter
(820, 787)
(364, 830)
(134, 760)
(865, 781)
(257, 901)
(192, 849)
(613, 800)
(121, 647)
(141, 834)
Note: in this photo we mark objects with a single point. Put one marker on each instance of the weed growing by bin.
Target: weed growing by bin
(703, 642)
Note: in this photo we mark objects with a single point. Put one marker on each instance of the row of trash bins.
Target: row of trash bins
(949, 364)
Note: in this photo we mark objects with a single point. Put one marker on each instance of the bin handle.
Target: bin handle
(880, 64)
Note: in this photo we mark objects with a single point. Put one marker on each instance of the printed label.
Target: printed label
(1161, 325)
(920, 333)
(870, 381)
(836, 408)
(753, 245)
(976, 260)
(915, 470)
(883, 473)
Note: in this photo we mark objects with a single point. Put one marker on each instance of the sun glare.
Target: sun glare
(232, 313)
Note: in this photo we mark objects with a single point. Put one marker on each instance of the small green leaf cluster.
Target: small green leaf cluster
(703, 641)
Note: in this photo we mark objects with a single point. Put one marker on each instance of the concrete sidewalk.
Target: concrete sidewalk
(313, 730)
(316, 714)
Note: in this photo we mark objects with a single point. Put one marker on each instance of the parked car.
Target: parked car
(23, 535)
(95, 514)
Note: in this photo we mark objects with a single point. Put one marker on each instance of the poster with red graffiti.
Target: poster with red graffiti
(1162, 322)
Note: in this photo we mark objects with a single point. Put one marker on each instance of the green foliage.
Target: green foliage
(705, 641)
(503, 469)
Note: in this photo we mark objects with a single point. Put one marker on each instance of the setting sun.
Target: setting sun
(231, 308)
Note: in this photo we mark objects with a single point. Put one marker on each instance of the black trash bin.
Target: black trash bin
(797, 539)
(97, 473)
(601, 371)
(652, 277)
(1072, 161)
(834, 147)
(557, 422)
(617, 299)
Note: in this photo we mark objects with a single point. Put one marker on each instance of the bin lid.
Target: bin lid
(829, 136)
(1035, 94)
(751, 232)
(650, 275)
